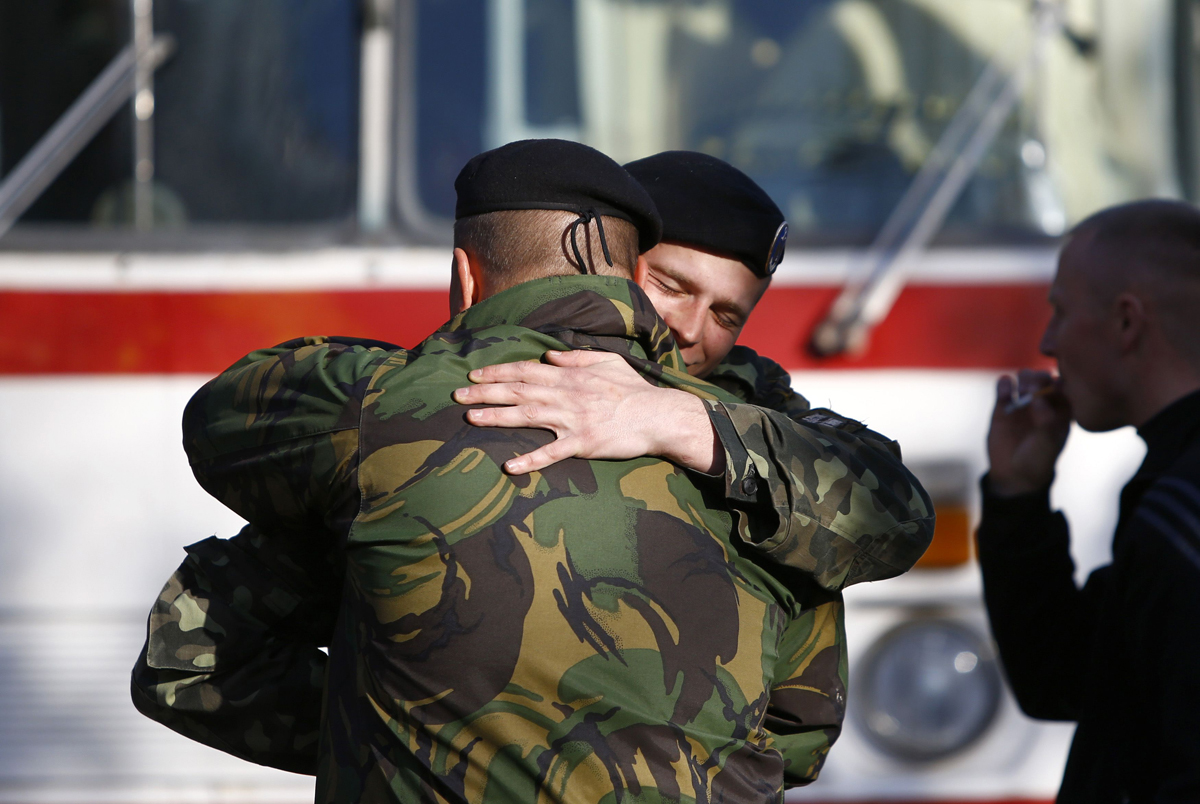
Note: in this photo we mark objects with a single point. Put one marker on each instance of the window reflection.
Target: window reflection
(256, 114)
(832, 105)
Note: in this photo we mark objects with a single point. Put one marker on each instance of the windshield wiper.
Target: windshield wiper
(103, 98)
(877, 280)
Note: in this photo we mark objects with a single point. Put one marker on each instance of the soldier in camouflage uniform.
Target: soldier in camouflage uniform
(353, 465)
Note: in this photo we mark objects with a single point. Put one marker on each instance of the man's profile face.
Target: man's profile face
(704, 298)
(1082, 337)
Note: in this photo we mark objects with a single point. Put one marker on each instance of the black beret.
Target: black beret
(712, 205)
(555, 174)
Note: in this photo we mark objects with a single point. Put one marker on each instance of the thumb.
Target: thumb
(579, 358)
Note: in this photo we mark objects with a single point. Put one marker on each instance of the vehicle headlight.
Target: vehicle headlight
(926, 690)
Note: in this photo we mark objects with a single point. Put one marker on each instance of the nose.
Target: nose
(1048, 344)
(687, 326)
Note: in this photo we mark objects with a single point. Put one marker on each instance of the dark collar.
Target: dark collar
(1169, 432)
(584, 312)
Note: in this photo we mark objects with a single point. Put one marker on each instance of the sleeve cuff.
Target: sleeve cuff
(1034, 503)
(742, 478)
(1015, 526)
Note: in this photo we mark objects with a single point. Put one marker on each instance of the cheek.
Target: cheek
(718, 341)
(664, 305)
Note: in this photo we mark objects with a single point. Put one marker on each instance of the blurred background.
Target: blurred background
(182, 181)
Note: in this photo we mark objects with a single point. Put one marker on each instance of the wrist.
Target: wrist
(1001, 486)
(691, 440)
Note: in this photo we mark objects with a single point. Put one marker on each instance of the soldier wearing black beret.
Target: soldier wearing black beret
(723, 237)
(582, 197)
(409, 679)
(722, 240)
(499, 618)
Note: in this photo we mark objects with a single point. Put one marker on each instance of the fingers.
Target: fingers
(579, 358)
(528, 371)
(1030, 381)
(505, 393)
(548, 455)
(512, 417)
(1005, 386)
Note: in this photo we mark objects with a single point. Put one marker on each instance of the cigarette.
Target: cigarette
(1025, 400)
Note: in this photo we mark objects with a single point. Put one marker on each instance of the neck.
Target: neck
(1161, 392)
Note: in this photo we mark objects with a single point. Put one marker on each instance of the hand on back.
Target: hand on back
(597, 405)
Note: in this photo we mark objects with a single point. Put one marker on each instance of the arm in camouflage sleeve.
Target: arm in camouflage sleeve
(275, 436)
(231, 658)
(845, 509)
(232, 655)
(808, 698)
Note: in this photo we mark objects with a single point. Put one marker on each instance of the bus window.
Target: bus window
(256, 114)
(831, 105)
(50, 51)
(449, 41)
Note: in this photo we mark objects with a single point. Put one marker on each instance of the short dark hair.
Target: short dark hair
(1153, 245)
(515, 246)
(1156, 233)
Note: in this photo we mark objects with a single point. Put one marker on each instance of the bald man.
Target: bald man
(1120, 656)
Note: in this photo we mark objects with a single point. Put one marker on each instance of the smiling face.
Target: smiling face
(704, 298)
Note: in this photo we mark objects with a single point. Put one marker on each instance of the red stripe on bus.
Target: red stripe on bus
(44, 332)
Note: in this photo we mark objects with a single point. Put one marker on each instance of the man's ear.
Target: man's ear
(641, 272)
(1131, 321)
(466, 286)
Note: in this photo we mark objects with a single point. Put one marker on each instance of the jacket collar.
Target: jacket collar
(596, 312)
(1170, 432)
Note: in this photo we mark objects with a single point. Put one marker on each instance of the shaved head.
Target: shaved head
(516, 246)
(1152, 249)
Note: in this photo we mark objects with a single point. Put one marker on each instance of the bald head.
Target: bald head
(1152, 249)
(1126, 324)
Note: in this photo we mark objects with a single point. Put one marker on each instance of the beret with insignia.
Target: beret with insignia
(555, 174)
(711, 205)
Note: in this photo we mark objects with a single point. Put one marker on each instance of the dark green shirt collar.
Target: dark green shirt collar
(599, 312)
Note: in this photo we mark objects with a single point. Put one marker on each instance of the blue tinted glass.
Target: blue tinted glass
(831, 105)
(451, 53)
(50, 50)
(256, 114)
(551, 73)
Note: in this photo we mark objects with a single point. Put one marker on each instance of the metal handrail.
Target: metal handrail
(869, 296)
(103, 98)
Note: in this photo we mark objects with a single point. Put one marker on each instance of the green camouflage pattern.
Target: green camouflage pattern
(232, 658)
(759, 381)
(591, 632)
(848, 510)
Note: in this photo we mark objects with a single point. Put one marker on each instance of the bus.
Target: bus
(256, 171)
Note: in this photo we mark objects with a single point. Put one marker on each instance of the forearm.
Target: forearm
(232, 656)
(1039, 617)
(824, 494)
(682, 432)
(267, 713)
(274, 437)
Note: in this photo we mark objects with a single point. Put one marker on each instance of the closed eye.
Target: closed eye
(672, 291)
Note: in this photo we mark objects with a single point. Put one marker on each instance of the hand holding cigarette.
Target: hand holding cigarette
(1025, 439)
(1024, 400)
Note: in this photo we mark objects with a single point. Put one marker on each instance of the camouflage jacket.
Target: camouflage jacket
(232, 656)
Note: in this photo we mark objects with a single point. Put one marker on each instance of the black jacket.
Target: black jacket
(1121, 655)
